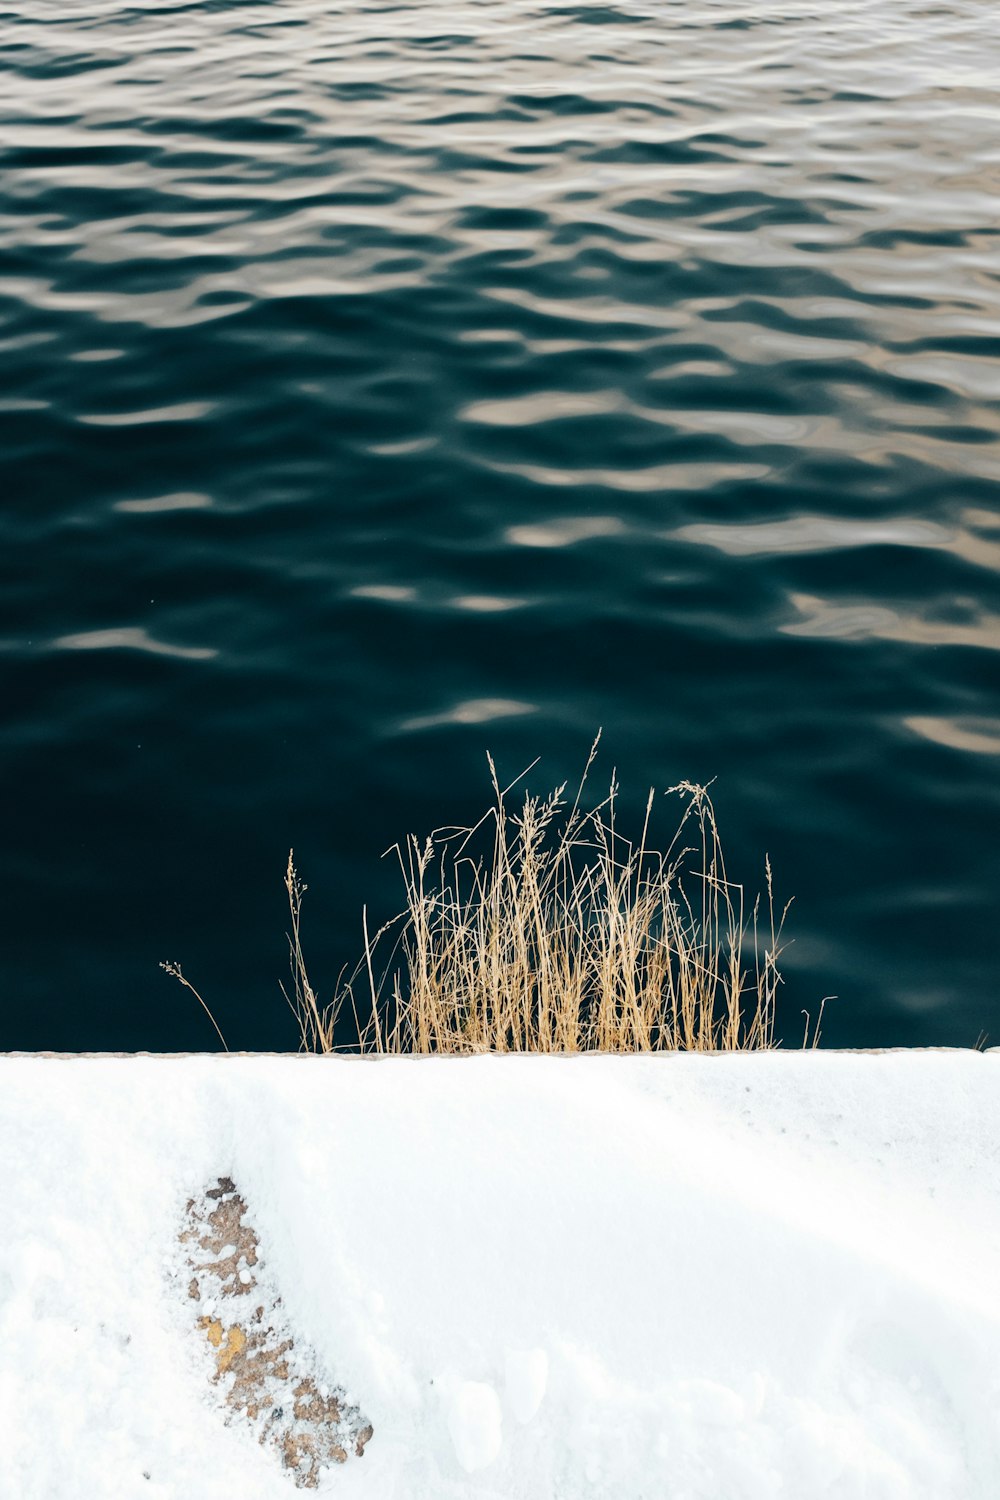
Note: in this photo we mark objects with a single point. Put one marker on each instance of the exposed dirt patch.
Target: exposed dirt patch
(259, 1369)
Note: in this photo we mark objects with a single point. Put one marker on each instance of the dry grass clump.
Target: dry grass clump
(543, 928)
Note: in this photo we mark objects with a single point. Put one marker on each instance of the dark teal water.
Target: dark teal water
(383, 383)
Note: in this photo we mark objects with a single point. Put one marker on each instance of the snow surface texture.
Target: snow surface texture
(758, 1277)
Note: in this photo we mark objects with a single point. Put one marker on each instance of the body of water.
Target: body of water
(385, 383)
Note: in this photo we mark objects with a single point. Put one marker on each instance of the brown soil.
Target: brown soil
(259, 1370)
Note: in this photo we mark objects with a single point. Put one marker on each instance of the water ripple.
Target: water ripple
(130, 638)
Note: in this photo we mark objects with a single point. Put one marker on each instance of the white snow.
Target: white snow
(756, 1277)
(527, 1374)
(475, 1422)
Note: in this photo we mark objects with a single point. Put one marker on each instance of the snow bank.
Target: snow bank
(688, 1278)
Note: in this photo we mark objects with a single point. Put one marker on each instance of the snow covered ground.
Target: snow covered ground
(757, 1277)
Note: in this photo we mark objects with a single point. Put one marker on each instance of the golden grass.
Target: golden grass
(544, 929)
(176, 972)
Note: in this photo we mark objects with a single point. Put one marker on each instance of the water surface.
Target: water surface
(383, 383)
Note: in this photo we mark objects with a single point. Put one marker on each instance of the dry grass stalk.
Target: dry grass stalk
(175, 972)
(543, 929)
